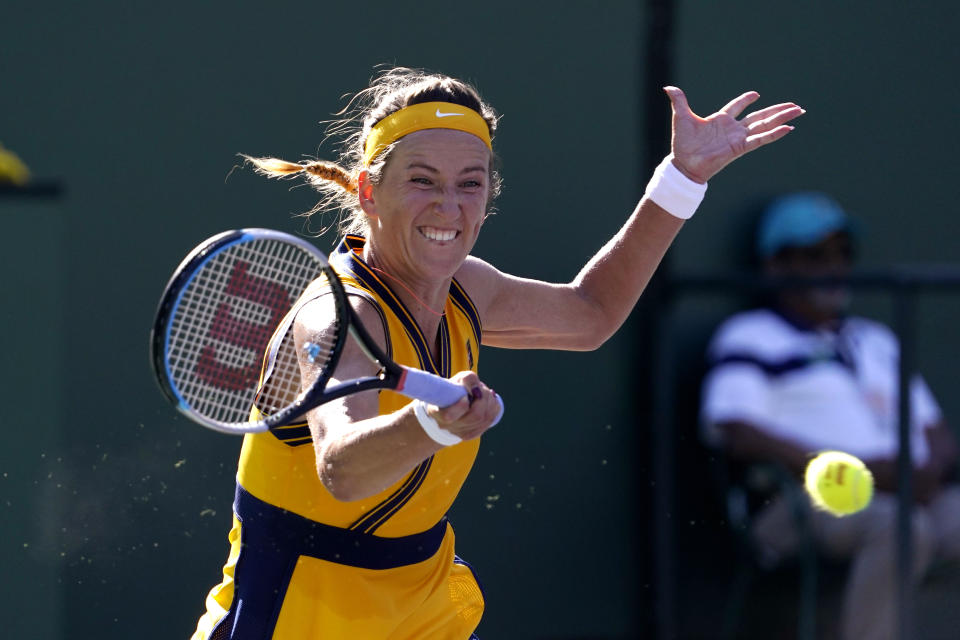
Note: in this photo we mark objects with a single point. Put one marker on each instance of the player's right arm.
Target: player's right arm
(359, 452)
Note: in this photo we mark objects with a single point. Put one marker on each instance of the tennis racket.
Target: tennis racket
(215, 321)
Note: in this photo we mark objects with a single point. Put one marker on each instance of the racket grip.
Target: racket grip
(422, 385)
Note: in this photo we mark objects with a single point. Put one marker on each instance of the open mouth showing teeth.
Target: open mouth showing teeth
(441, 235)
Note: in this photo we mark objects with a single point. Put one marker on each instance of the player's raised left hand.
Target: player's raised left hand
(704, 146)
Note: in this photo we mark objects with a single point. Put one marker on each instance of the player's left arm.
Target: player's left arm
(582, 314)
(523, 313)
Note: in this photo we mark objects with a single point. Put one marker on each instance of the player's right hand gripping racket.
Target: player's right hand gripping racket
(215, 321)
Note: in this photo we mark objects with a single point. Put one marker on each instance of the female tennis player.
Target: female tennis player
(339, 527)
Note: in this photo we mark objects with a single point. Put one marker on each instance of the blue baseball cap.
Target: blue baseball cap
(799, 220)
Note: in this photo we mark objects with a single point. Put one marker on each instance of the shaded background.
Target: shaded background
(113, 521)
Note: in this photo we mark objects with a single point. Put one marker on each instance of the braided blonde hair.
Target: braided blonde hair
(389, 91)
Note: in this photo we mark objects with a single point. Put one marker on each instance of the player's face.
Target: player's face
(426, 213)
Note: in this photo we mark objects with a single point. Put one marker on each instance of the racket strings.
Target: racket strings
(224, 319)
(283, 383)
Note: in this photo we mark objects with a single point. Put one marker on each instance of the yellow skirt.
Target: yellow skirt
(289, 577)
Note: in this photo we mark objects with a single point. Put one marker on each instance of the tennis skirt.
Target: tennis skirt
(290, 577)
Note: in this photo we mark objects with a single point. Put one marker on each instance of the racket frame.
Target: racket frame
(391, 376)
(173, 293)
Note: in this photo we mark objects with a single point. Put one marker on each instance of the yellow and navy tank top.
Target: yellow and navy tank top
(279, 468)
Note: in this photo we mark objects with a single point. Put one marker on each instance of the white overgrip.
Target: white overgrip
(435, 389)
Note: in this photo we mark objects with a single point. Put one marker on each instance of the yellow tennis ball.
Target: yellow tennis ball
(12, 168)
(839, 483)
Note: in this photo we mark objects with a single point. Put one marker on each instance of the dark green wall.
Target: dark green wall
(114, 520)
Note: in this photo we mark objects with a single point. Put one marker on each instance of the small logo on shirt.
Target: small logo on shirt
(469, 355)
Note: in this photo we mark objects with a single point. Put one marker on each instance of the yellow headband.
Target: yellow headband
(427, 115)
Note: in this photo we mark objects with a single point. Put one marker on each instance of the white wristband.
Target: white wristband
(674, 192)
(437, 433)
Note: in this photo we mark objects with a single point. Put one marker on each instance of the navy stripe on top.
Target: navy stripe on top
(345, 259)
(465, 304)
(382, 512)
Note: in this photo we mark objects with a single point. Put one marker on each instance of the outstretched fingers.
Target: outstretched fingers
(758, 140)
(736, 106)
(771, 128)
(704, 146)
(772, 116)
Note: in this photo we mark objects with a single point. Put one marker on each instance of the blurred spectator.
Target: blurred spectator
(801, 376)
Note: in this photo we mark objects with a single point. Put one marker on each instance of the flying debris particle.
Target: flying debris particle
(208, 512)
(179, 463)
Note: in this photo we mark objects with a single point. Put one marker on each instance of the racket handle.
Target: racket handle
(435, 389)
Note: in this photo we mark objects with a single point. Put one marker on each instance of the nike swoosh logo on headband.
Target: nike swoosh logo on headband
(444, 115)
